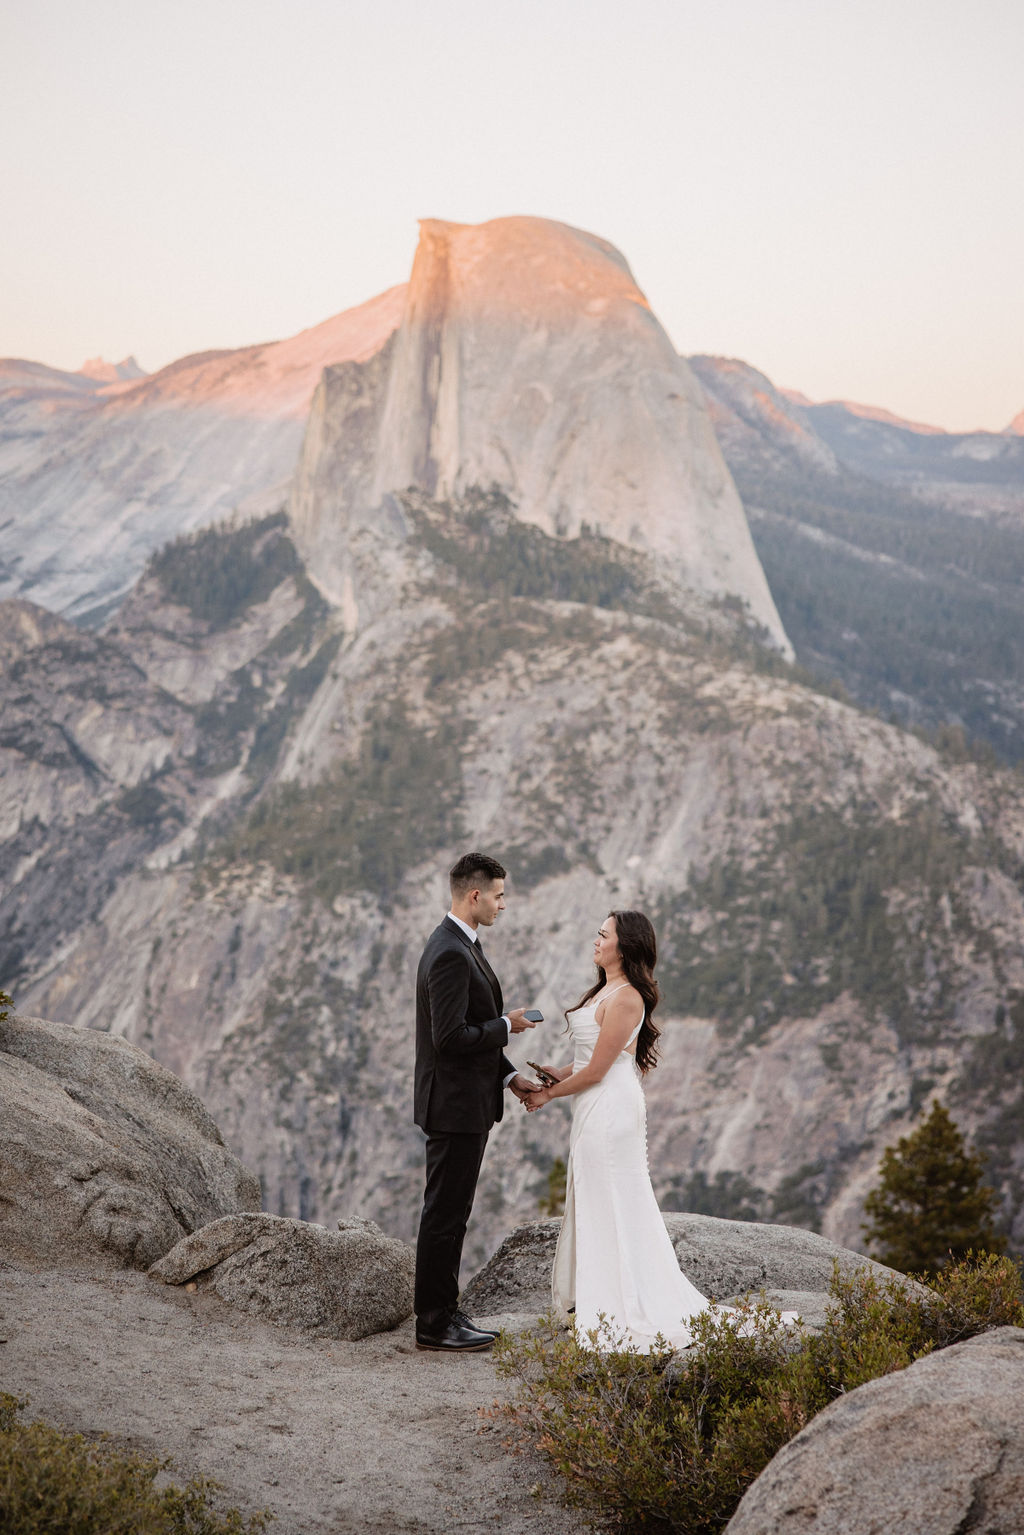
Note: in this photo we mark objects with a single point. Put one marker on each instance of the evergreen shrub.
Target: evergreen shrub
(552, 1201)
(217, 573)
(51, 1481)
(931, 1205)
(671, 1441)
(484, 545)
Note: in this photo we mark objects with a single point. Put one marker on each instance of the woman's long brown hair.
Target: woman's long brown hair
(639, 949)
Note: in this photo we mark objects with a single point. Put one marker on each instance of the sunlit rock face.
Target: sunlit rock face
(528, 360)
(101, 467)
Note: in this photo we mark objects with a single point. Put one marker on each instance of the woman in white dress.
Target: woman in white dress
(614, 1258)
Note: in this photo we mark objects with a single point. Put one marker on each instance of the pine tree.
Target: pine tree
(931, 1205)
(553, 1202)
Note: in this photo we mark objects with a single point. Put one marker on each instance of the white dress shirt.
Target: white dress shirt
(472, 935)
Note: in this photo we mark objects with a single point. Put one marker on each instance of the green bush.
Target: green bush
(670, 1442)
(930, 1205)
(55, 1483)
(485, 546)
(552, 1201)
(219, 572)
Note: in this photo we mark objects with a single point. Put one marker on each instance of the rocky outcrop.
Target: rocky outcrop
(103, 372)
(527, 361)
(106, 1156)
(936, 1449)
(729, 1258)
(724, 1259)
(347, 1283)
(518, 1277)
(362, 1438)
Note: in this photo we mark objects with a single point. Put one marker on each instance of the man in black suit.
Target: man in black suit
(461, 1074)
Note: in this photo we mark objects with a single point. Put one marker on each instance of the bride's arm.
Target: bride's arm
(617, 1025)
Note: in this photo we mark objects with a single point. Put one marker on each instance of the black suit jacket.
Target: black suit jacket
(460, 1037)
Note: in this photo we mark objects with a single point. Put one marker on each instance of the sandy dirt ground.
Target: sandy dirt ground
(371, 1436)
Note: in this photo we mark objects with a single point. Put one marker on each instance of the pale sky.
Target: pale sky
(828, 189)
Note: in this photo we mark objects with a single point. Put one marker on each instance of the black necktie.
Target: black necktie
(483, 961)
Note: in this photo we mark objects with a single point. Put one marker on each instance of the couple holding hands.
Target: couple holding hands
(615, 1268)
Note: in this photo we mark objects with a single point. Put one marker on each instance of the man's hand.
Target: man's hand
(519, 1021)
(523, 1087)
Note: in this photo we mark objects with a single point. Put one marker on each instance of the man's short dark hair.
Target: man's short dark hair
(473, 870)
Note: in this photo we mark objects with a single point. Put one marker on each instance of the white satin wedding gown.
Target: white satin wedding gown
(614, 1254)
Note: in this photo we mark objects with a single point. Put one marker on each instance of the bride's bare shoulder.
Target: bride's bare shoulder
(617, 1003)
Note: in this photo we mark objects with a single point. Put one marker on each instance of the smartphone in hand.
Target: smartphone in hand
(533, 1015)
(545, 1078)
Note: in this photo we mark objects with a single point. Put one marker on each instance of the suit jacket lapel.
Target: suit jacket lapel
(481, 959)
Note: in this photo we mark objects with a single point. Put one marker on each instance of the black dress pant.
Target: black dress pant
(453, 1167)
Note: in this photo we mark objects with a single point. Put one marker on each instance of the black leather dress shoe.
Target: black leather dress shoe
(467, 1321)
(453, 1338)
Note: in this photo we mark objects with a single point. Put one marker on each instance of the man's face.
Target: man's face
(488, 901)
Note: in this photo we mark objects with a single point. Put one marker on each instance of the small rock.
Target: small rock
(344, 1284)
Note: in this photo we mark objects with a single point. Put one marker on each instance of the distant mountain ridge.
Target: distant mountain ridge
(94, 474)
(981, 470)
(876, 413)
(112, 372)
(890, 418)
(906, 590)
(896, 556)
